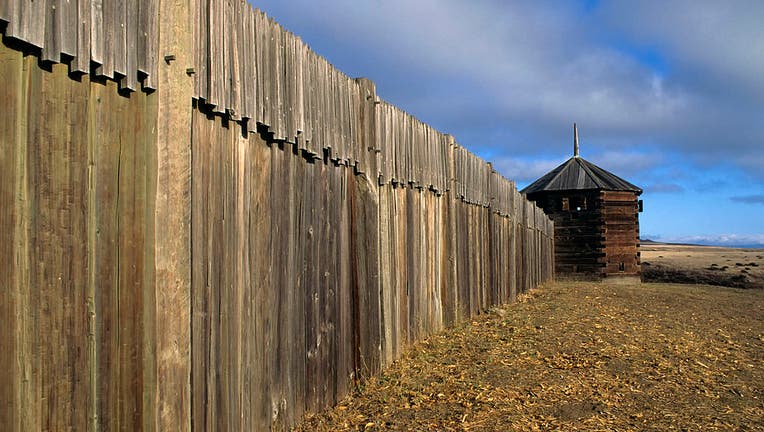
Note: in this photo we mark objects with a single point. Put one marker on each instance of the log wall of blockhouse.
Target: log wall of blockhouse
(620, 216)
(237, 248)
(598, 233)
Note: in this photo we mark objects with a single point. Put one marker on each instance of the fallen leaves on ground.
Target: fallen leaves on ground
(578, 356)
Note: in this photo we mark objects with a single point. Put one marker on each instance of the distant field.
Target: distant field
(579, 356)
(739, 268)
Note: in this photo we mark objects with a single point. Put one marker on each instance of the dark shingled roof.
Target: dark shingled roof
(579, 174)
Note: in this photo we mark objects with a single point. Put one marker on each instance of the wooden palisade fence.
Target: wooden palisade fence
(204, 225)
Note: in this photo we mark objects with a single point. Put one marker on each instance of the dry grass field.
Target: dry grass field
(740, 268)
(579, 356)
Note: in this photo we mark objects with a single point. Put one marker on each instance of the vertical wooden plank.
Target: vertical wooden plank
(252, 76)
(97, 35)
(247, 73)
(259, 66)
(130, 80)
(105, 36)
(171, 211)
(142, 37)
(245, 333)
(58, 185)
(385, 274)
(28, 22)
(300, 93)
(70, 31)
(238, 39)
(51, 26)
(311, 300)
(326, 278)
(200, 289)
(399, 301)
(13, 242)
(366, 267)
(231, 338)
(289, 87)
(310, 93)
(105, 149)
(294, 174)
(119, 28)
(414, 244)
(27, 387)
(401, 252)
(248, 152)
(227, 55)
(261, 278)
(229, 307)
(132, 244)
(216, 71)
(81, 19)
(290, 375)
(199, 40)
(278, 262)
(213, 375)
(152, 57)
(450, 281)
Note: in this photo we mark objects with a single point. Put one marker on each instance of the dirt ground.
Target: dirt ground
(579, 356)
(740, 268)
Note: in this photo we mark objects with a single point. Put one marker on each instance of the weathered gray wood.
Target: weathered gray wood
(215, 34)
(81, 20)
(28, 22)
(5, 10)
(97, 40)
(118, 28)
(108, 38)
(52, 26)
(307, 272)
(69, 25)
(130, 80)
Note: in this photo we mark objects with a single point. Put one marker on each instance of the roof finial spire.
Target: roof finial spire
(575, 140)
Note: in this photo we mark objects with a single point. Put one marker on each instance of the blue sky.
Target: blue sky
(668, 95)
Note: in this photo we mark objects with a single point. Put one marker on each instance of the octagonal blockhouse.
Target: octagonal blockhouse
(596, 218)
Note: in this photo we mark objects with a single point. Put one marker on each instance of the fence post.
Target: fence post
(167, 399)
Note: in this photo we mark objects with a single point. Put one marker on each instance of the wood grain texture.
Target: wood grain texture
(243, 245)
(171, 213)
(342, 274)
(117, 36)
(76, 218)
(597, 234)
(14, 268)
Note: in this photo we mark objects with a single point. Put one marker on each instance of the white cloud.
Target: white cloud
(524, 171)
(626, 163)
(474, 68)
(756, 240)
(723, 39)
(522, 58)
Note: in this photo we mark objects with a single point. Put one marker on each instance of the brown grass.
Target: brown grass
(739, 268)
(579, 356)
